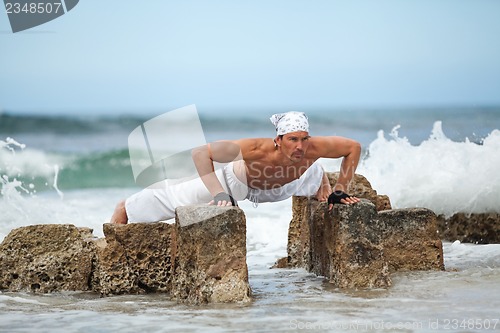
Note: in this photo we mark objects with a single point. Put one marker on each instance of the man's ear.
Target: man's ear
(277, 140)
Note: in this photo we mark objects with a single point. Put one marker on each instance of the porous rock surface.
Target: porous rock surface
(298, 233)
(479, 228)
(358, 246)
(200, 259)
(211, 259)
(46, 258)
(134, 258)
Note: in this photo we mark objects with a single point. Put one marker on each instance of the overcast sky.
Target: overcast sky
(133, 56)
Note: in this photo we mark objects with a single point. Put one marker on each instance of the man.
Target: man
(261, 170)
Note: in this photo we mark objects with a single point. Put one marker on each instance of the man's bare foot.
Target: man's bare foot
(120, 215)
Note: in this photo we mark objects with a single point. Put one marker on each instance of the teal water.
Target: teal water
(92, 152)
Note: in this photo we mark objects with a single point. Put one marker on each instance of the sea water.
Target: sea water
(74, 170)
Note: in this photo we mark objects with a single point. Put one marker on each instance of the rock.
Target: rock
(298, 233)
(345, 246)
(211, 258)
(135, 258)
(382, 202)
(112, 273)
(281, 263)
(46, 258)
(410, 239)
(201, 259)
(356, 246)
(482, 228)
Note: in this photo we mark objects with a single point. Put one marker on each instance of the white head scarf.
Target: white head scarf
(288, 122)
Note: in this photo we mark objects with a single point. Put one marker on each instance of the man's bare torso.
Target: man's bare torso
(263, 168)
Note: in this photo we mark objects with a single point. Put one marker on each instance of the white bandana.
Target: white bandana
(288, 122)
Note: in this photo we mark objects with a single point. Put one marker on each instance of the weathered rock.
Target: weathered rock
(345, 246)
(206, 249)
(483, 228)
(382, 202)
(135, 258)
(356, 247)
(410, 239)
(298, 247)
(211, 259)
(299, 233)
(46, 258)
(112, 273)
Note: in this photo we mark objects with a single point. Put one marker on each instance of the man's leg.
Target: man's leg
(120, 214)
(158, 202)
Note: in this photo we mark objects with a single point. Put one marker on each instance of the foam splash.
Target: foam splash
(9, 142)
(18, 164)
(19, 169)
(439, 174)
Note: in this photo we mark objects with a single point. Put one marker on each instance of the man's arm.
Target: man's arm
(204, 158)
(352, 153)
(336, 147)
(325, 189)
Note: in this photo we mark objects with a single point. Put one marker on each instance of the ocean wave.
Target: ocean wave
(34, 170)
(11, 124)
(440, 174)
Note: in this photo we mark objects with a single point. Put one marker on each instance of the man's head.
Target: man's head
(292, 130)
(289, 122)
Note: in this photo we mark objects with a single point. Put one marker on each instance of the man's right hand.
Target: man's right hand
(224, 199)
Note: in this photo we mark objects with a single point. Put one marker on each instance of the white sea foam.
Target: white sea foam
(267, 231)
(438, 174)
(17, 160)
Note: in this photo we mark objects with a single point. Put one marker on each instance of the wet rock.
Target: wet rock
(357, 247)
(299, 233)
(46, 258)
(298, 247)
(479, 228)
(211, 258)
(482, 228)
(382, 202)
(134, 258)
(281, 263)
(345, 246)
(410, 239)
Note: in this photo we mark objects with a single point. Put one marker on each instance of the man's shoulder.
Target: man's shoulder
(255, 146)
(253, 142)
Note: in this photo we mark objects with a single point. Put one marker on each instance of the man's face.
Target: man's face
(294, 145)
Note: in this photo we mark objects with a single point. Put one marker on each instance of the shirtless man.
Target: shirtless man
(261, 170)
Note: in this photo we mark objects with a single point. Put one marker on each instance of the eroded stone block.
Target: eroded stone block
(355, 257)
(135, 258)
(357, 247)
(46, 258)
(410, 239)
(211, 258)
(479, 228)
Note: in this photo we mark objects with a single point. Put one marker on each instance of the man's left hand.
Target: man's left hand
(341, 197)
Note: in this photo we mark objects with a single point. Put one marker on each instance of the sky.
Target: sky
(118, 56)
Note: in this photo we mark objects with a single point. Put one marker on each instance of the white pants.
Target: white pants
(158, 201)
